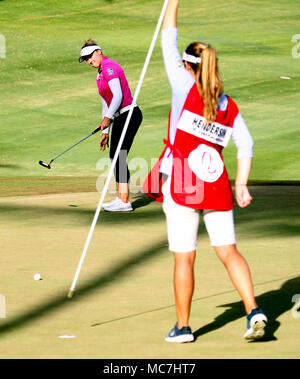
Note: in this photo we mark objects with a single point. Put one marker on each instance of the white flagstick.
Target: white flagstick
(147, 61)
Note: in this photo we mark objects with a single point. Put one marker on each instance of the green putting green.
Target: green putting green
(123, 304)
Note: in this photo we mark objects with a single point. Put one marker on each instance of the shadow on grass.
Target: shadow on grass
(61, 301)
(267, 211)
(142, 201)
(9, 165)
(79, 214)
(274, 212)
(274, 304)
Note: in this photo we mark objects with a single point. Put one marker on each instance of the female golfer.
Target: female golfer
(201, 121)
(116, 101)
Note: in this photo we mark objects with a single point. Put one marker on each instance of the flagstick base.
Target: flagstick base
(70, 294)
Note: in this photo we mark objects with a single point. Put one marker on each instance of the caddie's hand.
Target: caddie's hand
(105, 123)
(104, 141)
(242, 195)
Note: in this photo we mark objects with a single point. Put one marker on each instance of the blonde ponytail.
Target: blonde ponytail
(208, 78)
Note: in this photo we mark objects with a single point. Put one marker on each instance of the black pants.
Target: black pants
(121, 172)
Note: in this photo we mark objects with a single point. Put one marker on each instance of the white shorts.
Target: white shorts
(183, 223)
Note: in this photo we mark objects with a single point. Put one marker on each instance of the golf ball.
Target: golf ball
(37, 277)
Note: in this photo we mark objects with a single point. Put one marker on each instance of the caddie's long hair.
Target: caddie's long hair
(208, 78)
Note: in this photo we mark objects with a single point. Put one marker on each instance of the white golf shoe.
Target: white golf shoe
(110, 203)
(117, 205)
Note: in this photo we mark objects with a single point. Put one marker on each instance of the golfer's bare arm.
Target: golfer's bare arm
(170, 19)
(242, 194)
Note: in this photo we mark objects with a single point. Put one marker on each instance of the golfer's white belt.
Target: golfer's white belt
(123, 110)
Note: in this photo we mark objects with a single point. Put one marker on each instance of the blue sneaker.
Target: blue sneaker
(256, 323)
(180, 335)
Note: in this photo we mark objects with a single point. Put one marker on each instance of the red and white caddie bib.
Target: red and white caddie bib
(199, 177)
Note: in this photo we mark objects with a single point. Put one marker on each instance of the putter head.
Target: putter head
(45, 164)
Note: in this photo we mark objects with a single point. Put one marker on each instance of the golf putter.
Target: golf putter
(48, 165)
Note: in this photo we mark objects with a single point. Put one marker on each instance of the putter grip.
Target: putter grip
(97, 130)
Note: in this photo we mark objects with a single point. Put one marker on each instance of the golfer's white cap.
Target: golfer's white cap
(88, 50)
